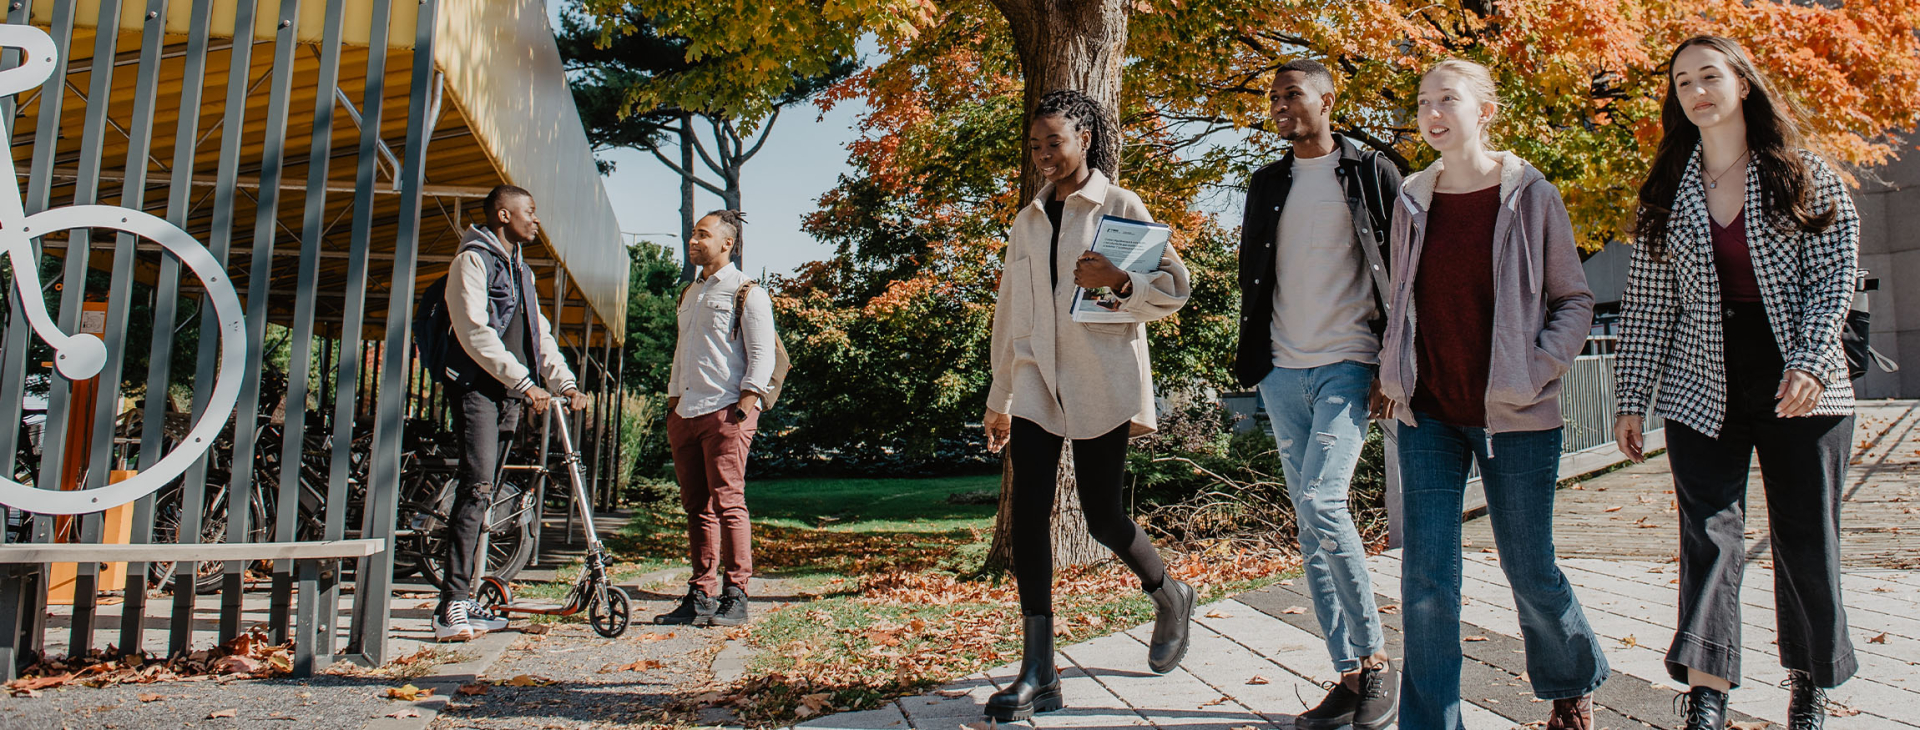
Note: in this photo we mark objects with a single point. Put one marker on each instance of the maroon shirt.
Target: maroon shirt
(1733, 262)
(1453, 296)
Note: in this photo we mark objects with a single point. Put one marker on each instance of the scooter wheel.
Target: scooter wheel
(493, 594)
(611, 616)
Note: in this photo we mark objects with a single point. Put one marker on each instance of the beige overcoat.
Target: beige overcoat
(1078, 380)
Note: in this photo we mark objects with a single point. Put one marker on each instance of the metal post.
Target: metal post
(266, 229)
(86, 191)
(22, 614)
(306, 634)
(165, 307)
(133, 193)
(346, 408)
(373, 601)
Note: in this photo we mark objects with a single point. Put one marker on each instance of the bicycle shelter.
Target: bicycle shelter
(328, 153)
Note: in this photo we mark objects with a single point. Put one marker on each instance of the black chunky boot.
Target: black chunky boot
(1037, 689)
(1706, 708)
(1806, 703)
(1173, 611)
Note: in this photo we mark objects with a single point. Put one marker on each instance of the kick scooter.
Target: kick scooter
(607, 607)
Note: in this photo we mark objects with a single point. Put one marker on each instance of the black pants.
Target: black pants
(1099, 468)
(1803, 462)
(485, 418)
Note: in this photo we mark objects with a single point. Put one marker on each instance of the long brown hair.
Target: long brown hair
(1773, 136)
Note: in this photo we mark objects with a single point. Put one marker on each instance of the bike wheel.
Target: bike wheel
(208, 575)
(610, 617)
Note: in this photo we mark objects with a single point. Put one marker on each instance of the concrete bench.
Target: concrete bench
(23, 591)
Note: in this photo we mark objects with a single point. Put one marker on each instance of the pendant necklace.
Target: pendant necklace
(1713, 182)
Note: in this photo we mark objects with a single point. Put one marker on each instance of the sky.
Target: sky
(802, 160)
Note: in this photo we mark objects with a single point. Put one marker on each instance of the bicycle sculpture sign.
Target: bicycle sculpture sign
(82, 356)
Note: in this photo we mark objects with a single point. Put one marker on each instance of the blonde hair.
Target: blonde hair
(1477, 80)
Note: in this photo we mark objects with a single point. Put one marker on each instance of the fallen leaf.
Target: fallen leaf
(1257, 679)
(803, 711)
(1749, 724)
(404, 712)
(408, 693)
(526, 680)
(1841, 711)
(1615, 508)
(1474, 638)
(26, 693)
(882, 638)
(1215, 701)
(38, 683)
(536, 629)
(651, 637)
(1629, 641)
(472, 689)
(229, 712)
(150, 697)
(952, 693)
(236, 664)
(1217, 613)
(1391, 609)
(1881, 639)
(1294, 609)
(643, 665)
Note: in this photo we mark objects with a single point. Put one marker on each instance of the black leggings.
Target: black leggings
(1099, 466)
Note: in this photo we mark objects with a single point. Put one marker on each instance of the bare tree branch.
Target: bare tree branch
(766, 130)
(677, 169)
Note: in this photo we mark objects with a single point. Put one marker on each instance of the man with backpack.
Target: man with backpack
(725, 370)
(506, 355)
(1313, 280)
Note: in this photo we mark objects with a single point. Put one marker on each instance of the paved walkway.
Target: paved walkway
(1256, 659)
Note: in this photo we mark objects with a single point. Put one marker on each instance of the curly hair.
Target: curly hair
(1087, 115)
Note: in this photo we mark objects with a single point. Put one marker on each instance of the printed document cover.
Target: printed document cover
(1131, 245)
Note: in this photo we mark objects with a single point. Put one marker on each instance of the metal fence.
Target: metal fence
(333, 264)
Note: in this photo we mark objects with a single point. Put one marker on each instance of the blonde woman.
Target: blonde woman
(1485, 262)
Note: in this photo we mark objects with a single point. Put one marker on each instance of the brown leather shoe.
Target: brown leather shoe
(1572, 714)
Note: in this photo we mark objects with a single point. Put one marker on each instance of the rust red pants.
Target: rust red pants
(710, 461)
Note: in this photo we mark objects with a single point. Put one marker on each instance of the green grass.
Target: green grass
(871, 505)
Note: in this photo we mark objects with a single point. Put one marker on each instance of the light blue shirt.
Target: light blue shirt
(711, 367)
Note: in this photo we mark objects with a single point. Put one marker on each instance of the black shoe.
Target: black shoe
(732, 610)
(1706, 708)
(1379, 704)
(696, 607)
(1335, 711)
(1037, 689)
(1806, 703)
(1173, 611)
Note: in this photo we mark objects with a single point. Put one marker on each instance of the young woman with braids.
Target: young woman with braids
(1733, 309)
(1058, 380)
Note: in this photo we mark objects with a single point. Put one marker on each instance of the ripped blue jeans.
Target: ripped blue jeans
(1320, 422)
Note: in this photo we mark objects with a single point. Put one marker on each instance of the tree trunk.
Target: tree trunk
(686, 196)
(1072, 545)
(732, 201)
(1067, 44)
(1078, 45)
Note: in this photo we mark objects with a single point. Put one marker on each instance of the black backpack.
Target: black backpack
(440, 351)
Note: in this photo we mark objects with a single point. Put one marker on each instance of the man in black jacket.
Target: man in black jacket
(1313, 282)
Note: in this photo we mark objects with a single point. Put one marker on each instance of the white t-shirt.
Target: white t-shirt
(1322, 298)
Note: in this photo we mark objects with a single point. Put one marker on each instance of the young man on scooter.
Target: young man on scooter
(495, 311)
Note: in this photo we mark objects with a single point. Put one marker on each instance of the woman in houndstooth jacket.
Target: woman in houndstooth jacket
(1733, 309)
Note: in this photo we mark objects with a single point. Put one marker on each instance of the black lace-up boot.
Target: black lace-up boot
(1706, 708)
(1806, 703)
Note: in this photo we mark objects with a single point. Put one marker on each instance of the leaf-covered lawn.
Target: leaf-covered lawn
(902, 606)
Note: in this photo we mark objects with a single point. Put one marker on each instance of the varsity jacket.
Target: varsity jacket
(1670, 332)
(481, 304)
(1371, 182)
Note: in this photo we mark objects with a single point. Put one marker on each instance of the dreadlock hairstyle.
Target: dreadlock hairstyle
(733, 218)
(1773, 134)
(1088, 116)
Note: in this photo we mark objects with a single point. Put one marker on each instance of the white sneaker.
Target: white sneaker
(482, 619)
(454, 626)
